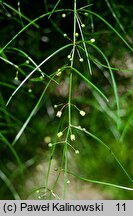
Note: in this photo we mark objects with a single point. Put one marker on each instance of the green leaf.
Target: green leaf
(90, 83)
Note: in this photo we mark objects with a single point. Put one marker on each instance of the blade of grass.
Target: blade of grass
(3, 109)
(3, 54)
(2, 138)
(17, 12)
(97, 62)
(34, 111)
(111, 27)
(7, 85)
(106, 146)
(2, 5)
(101, 182)
(115, 15)
(9, 62)
(26, 55)
(8, 183)
(54, 9)
(90, 83)
(113, 81)
(84, 44)
(23, 29)
(52, 21)
(20, 14)
(105, 108)
(127, 125)
(14, 65)
(7, 114)
(85, 6)
(112, 77)
(32, 72)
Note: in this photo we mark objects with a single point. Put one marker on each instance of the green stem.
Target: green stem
(35, 69)
(70, 97)
(69, 103)
(74, 32)
(65, 158)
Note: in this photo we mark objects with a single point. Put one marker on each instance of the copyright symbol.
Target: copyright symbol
(9, 207)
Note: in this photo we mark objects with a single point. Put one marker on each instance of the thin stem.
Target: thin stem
(84, 45)
(65, 157)
(70, 97)
(74, 33)
(106, 146)
(34, 111)
(36, 68)
(69, 102)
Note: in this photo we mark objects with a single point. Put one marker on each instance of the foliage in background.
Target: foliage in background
(66, 93)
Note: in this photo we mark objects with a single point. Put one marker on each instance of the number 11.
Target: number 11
(121, 207)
